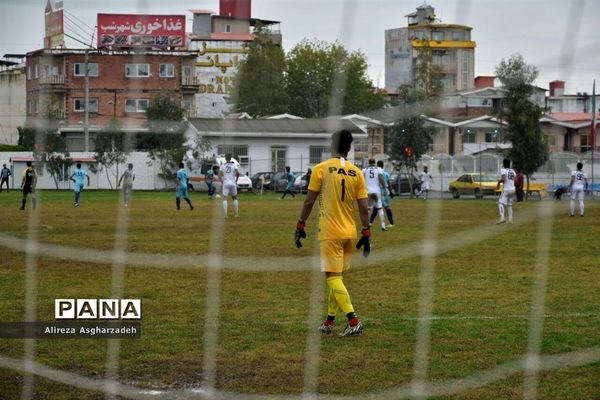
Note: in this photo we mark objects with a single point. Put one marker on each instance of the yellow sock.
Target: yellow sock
(342, 297)
(332, 305)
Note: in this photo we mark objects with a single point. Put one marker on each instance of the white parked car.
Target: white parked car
(244, 183)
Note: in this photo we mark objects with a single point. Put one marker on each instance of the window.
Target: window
(79, 69)
(442, 57)
(29, 72)
(32, 106)
(137, 70)
(492, 136)
(36, 69)
(458, 35)
(465, 67)
(188, 71)
(419, 35)
(550, 139)
(239, 152)
(227, 28)
(136, 105)
(166, 70)
(468, 136)
(316, 154)
(437, 35)
(79, 105)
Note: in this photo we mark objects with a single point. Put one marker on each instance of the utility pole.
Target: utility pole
(86, 90)
(86, 115)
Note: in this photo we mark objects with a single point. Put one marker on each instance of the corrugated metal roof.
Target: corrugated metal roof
(572, 116)
(277, 126)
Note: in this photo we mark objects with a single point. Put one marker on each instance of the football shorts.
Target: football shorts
(336, 254)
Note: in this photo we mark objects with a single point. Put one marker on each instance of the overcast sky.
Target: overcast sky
(560, 37)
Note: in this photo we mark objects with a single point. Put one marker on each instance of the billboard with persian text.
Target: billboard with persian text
(134, 30)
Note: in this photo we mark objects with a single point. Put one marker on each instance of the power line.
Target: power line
(80, 20)
(83, 33)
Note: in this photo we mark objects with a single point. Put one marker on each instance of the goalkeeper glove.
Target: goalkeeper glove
(299, 234)
(365, 241)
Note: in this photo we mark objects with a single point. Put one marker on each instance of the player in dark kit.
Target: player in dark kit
(28, 183)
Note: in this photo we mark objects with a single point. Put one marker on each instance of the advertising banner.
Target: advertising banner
(129, 30)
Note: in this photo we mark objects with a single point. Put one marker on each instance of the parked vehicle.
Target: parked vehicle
(280, 180)
(300, 184)
(262, 180)
(473, 184)
(402, 182)
(244, 183)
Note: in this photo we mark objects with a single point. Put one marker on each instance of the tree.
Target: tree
(200, 146)
(165, 140)
(110, 149)
(529, 149)
(407, 140)
(48, 147)
(427, 83)
(359, 94)
(259, 87)
(54, 155)
(427, 75)
(317, 73)
(26, 138)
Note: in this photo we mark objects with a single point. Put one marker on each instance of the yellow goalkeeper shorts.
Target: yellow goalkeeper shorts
(336, 255)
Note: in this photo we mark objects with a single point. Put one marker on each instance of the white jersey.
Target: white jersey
(372, 174)
(579, 180)
(229, 174)
(128, 177)
(509, 180)
(425, 180)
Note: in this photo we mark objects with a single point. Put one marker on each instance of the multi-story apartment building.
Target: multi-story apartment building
(12, 97)
(121, 85)
(450, 44)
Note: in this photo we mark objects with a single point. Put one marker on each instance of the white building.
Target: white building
(12, 100)
(273, 144)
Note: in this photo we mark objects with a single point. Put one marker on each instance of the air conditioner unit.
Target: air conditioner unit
(244, 160)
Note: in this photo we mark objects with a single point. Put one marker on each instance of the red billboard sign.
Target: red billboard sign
(131, 30)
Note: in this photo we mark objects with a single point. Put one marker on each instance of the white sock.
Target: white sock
(572, 206)
(501, 210)
(235, 207)
(381, 217)
(510, 213)
(225, 207)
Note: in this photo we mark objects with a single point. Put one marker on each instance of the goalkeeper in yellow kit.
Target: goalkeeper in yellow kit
(339, 186)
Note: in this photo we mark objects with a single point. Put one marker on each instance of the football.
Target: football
(218, 196)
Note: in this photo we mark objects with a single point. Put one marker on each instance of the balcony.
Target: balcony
(190, 84)
(192, 113)
(52, 83)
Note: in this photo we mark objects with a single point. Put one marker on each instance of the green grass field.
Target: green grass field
(476, 282)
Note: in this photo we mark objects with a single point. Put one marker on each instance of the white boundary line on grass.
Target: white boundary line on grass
(572, 359)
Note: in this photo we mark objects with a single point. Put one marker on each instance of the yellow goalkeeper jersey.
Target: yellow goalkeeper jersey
(339, 184)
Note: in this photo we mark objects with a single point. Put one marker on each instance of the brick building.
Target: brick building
(121, 85)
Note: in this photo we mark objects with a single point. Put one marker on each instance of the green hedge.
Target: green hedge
(12, 147)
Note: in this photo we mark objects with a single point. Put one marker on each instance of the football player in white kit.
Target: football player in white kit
(577, 186)
(229, 174)
(374, 179)
(507, 178)
(426, 180)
